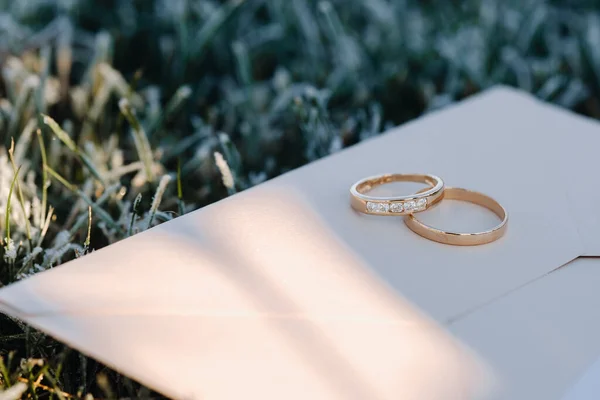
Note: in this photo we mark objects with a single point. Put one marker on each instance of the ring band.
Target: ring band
(397, 205)
(463, 239)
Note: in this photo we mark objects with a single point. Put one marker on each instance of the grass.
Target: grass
(118, 115)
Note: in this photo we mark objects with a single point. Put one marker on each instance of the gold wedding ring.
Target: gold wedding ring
(463, 239)
(396, 205)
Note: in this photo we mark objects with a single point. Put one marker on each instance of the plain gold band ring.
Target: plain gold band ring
(396, 205)
(463, 239)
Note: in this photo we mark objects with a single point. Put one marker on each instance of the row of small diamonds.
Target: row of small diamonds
(397, 207)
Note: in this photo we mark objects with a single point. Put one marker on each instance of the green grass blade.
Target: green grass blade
(141, 140)
(11, 154)
(22, 104)
(162, 186)
(180, 204)
(67, 141)
(214, 23)
(173, 106)
(4, 373)
(57, 391)
(134, 212)
(62, 180)
(86, 244)
(8, 204)
(44, 175)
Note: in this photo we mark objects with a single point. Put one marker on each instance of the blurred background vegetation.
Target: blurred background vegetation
(117, 115)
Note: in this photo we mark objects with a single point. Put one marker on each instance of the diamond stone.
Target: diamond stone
(410, 205)
(377, 207)
(396, 207)
(421, 204)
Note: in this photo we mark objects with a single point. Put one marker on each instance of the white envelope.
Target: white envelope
(283, 291)
(542, 337)
(588, 387)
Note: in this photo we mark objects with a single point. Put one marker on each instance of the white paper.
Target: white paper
(540, 338)
(588, 387)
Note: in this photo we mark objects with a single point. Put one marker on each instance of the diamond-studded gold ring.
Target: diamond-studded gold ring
(396, 205)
